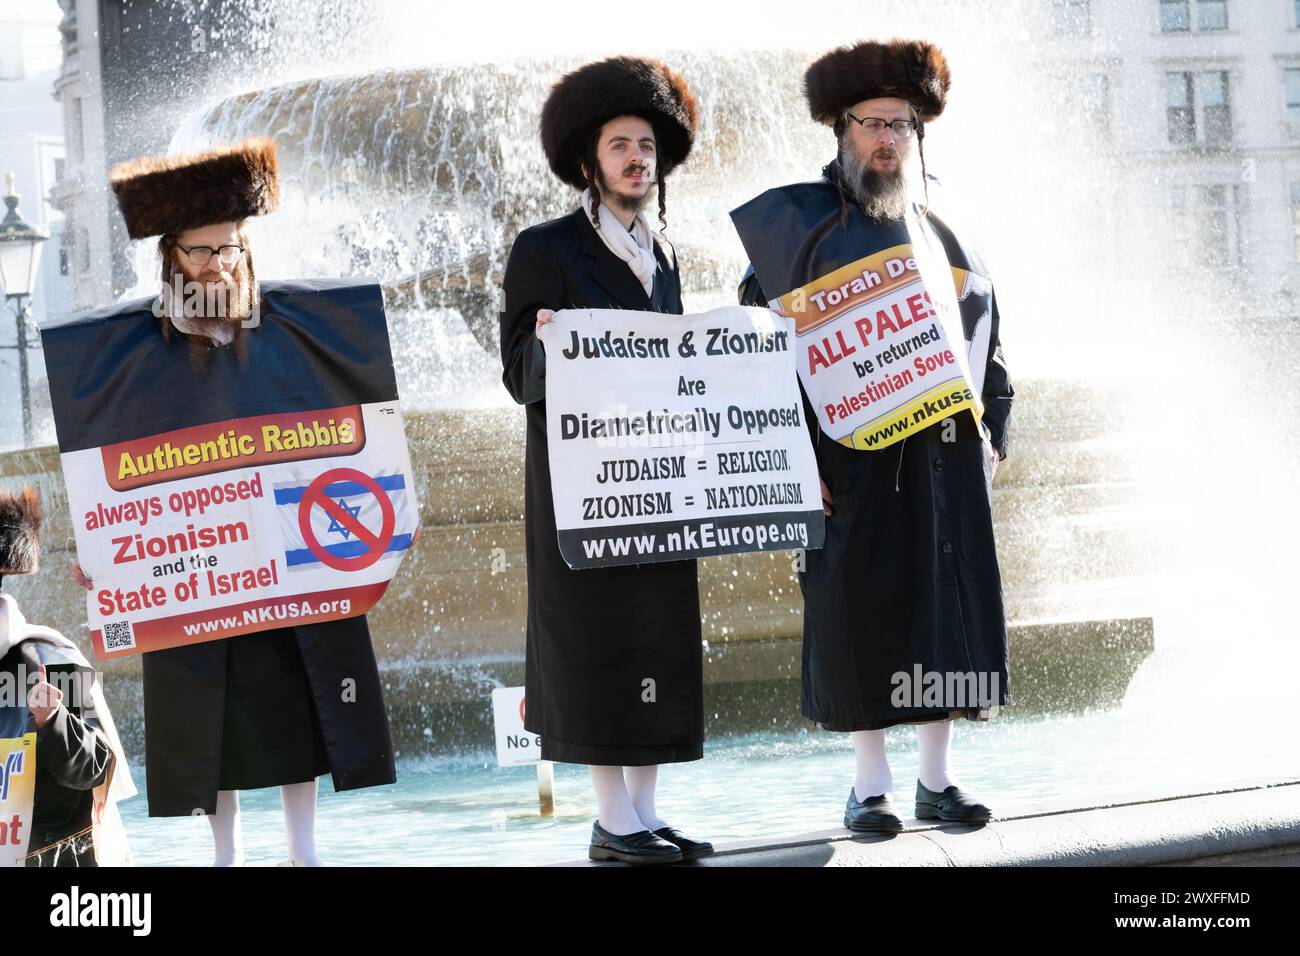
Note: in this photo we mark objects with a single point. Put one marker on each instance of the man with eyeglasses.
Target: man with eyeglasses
(208, 291)
(281, 706)
(906, 593)
(209, 283)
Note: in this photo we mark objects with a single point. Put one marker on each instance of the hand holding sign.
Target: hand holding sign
(44, 700)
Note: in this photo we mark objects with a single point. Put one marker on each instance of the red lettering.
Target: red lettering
(863, 325)
(815, 358)
(919, 311)
(118, 601)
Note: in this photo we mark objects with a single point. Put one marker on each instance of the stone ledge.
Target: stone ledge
(1246, 827)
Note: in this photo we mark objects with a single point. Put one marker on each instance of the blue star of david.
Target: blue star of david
(334, 523)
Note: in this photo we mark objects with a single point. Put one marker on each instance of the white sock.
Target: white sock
(641, 787)
(932, 741)
(227, 835)
(873, 777)
(299, 801)
(614, 808)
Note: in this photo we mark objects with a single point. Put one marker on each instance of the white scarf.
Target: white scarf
(635, 246)
(223, 333)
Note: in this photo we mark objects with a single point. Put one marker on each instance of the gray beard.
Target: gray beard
(880, 195)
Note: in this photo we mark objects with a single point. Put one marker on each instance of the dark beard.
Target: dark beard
(632, 204)
(227, 307)
(880, 195)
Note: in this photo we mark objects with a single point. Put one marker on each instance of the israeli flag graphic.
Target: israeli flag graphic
(335, 515)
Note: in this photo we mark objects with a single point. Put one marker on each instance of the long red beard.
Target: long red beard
(229, 302)
(235, 301)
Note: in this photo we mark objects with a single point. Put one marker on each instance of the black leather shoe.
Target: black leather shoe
(872, 815)
(691, 849)
(640, 847)
(952, 805)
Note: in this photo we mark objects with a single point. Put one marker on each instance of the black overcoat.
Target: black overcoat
(908, 579)
(72, 758)
(596, 635)
(259, 710)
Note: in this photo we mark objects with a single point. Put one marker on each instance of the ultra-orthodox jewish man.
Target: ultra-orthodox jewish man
(612, 130)
(903, 611)
(263, 709)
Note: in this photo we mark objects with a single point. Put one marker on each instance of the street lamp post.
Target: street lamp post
(20, 258)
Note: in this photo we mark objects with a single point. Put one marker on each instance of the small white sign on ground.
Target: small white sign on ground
(515, 746)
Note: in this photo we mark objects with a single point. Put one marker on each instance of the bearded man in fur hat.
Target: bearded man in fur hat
(614, 130)
(262, 709)
(80, 769)
(907, 583)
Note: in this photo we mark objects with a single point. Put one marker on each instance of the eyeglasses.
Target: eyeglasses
(875, 125)
(199, 256)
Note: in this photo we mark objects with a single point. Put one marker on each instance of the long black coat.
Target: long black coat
(909, 574)
(72, 758)
(594, 635)
(262, 710)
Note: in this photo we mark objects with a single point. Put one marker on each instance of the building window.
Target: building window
(1296, 11)
(63, 260)
(1213, 88)
(1182, 117)
(1198, 109)
(1295, 208)
(1094, 94)
(83, 251)
(1176, 15)
(76, 132)
(1211, 14)
(1073, 17)
(1293, 101)
(1205, 224)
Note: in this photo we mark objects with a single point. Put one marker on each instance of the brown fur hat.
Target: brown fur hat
(20, 523)
(169, 194)
(911, 70)
(587, 98)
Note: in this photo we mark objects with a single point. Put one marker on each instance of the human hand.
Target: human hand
(827, 505)
(44, 700)
(544, 316)
(81, 577)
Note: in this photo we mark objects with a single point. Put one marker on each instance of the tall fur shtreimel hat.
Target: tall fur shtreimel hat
(20, 525)
(169, 194)
(584, 100)
(911, 70)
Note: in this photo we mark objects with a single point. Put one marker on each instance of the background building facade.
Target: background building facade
(32, 151)
(1197, 104)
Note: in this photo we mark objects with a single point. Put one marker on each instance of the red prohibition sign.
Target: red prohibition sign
(377, 543)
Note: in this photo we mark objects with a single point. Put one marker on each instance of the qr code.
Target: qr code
(118, 636)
